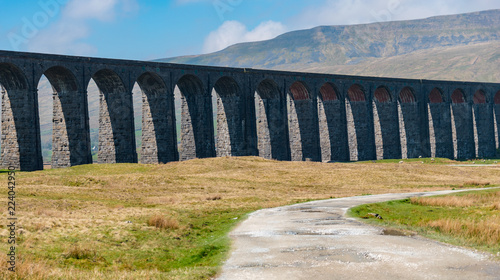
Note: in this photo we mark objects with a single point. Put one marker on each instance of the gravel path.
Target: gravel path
(316, 241)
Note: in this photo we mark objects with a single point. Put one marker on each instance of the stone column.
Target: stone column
(409, 118)
(303, 131)
(386, 130)
(21, 143)
(116, 127)
(483, 116)
(333, 130)
(462, 115)
(271, 127)
(159, 140)
(197, 135)
(441, 140)
(71, 132)
(360, 131)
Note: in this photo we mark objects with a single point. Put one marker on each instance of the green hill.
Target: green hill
(456, 47)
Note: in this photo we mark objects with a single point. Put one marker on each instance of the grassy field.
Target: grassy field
(470, 219)
(131, 221)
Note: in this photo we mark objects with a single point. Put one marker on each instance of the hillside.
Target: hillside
(456, 47)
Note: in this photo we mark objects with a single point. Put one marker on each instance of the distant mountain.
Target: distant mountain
(456, 47)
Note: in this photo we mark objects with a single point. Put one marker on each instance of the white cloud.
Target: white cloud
(103, 10)
(63, 38)
(66, 35)
(232, 32)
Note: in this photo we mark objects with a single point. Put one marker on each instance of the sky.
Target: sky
(151, 29)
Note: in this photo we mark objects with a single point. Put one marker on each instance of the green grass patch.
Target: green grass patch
(470, 219)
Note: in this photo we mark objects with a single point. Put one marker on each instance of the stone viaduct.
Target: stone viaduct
(272, 114)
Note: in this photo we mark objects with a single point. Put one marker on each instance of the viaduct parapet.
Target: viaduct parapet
(273, 114)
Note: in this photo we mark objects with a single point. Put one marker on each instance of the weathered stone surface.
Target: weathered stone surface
(303, 133)
(159, 139)
(386, 129)
(463, 141)
(333, 130)
(230, 119)
(441, 140)
(20, 130)
(410, 130)
(360, 131)
(116, 120)
(197, 131)
(485, 130)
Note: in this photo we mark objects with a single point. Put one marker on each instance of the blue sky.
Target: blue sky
(143, 30)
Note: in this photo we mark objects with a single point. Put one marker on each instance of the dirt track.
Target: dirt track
(316, 241)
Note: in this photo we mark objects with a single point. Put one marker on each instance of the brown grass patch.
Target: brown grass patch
(476, 183)
(162, 222)
(473, 199)
(451, 201)
(495, 206)
(482, 232)
(25, 269)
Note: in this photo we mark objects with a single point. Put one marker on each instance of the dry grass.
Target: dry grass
(492, 200)
(40, 270)
(485, 230)
(496, 206)
(481, 232)
(110, 206)
(453, 201)
(476, 183)
(162, 222)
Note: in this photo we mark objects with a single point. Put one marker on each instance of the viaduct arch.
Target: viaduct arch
(273, 114)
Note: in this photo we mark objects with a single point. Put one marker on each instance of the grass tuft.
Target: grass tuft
(80, 253)
(162, 222)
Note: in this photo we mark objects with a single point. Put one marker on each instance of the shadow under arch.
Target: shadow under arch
(332, 124)
(440, 134)
(484, 132)
(410, 132)
(71, 131)
(197, 129)
(21, 142)
(303, 127)
(116, 119)
(359, 125)
(159, 140)
(462, 126)
(231, 138)
(385, 125)
(272, 129)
